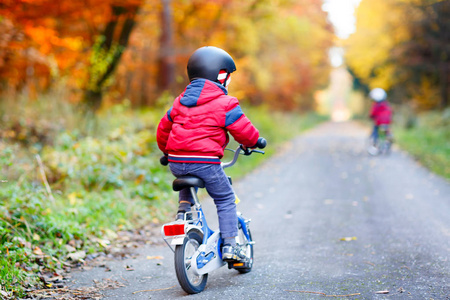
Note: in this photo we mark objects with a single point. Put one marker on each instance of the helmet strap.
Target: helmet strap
(224, 78)
(227, 80)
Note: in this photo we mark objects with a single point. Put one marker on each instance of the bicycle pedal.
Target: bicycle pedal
(239, 265)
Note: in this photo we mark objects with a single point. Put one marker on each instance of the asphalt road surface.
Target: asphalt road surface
(328, 220)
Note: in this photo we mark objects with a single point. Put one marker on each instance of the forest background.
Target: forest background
(83, 83)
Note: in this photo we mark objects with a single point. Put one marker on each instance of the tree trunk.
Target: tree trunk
(94, 92)
(143, 97)
(442, 10)
(166, 59)
(444, 85)
(93, 99)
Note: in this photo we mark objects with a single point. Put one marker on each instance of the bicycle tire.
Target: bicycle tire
(189, 282)
(384, 141)
(384, 149)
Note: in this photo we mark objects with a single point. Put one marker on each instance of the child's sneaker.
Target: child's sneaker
(372, 150)
(230, 253)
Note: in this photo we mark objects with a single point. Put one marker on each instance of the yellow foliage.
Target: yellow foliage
(398, 46)
(427, 96)
(379, 28)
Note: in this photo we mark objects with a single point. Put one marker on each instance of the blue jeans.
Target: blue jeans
(375, 134)
(218, 187)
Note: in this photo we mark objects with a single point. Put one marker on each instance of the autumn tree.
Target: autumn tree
(138, 49)
(280, 50)
(83, 40)
(408, 56)
(426, 56)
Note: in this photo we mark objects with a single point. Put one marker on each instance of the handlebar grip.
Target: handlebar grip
(262, 143)
(164, 160)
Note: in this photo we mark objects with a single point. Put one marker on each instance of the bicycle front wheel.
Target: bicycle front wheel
(189, 282)
(247, 247)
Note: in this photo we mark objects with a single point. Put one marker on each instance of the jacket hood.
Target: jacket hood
(201, 91)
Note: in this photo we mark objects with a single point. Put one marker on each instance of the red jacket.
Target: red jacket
(381, 113)
(195, 129)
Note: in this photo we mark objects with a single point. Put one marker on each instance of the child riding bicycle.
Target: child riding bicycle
(380, 113)
(194, 133)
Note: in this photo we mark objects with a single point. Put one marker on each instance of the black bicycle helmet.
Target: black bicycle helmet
(206, 62)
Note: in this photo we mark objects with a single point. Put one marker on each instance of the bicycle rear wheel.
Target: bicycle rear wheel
(189, 282)
(385, 147)
(385, 140)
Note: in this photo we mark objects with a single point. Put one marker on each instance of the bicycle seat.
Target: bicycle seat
(187, 182)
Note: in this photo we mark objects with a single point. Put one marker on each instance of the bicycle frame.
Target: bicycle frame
(208, 257)
(381, 143)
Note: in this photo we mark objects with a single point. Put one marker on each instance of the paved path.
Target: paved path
(392, 214)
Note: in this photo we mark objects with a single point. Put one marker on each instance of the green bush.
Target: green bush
(428, 141)
(98, 185)
(101, 182)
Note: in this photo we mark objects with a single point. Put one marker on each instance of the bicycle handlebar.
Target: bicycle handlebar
(262, 143)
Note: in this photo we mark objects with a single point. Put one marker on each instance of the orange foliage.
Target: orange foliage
(55, 36)
(280, 47)
(280, 50)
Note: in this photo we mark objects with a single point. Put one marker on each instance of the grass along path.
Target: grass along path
(428, 141)
(98, 184)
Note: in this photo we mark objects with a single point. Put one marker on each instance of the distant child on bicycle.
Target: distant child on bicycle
(194, 133)
(380, 113)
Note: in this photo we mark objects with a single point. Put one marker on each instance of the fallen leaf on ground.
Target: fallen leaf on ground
(349, 238)
(103, 242)
(129, 268)
(70, 248)
(56, 278)
(328, 201)
(108, 283)
(154, 290)
(38, 251)
(75, 256)
(155, 257)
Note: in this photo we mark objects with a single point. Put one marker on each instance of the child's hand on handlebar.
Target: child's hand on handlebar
(261, 143)
(246, 150)
(164, 160)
